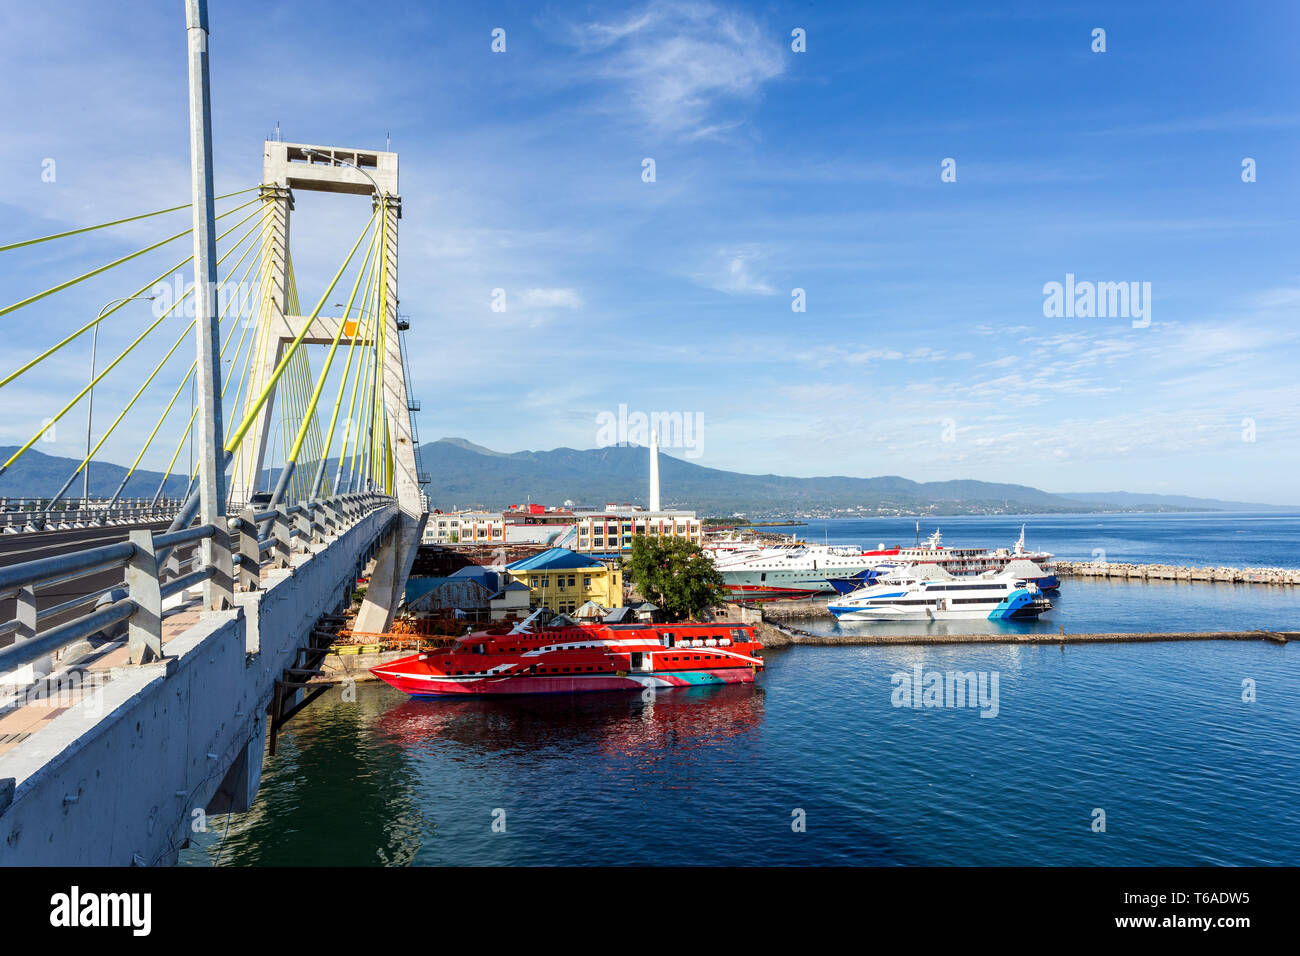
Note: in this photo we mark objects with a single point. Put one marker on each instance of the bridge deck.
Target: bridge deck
(24, 716)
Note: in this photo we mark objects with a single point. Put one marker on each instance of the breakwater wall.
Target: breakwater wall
(804, 609)
(771, 635)
(1171, 572)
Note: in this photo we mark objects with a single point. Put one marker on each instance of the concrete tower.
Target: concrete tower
(654, 471)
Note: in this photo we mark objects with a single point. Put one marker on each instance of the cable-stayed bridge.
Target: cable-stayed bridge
(143, 640)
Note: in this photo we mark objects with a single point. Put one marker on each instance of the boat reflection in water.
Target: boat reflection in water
(535, 729)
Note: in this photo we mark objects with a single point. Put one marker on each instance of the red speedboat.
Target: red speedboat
(573, 658)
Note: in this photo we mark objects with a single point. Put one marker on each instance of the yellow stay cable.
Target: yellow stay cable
(357, 333)
(179, 339)
(138, 292)
(99, 377)
(247, 423)
(116, 222)
(116, 262)
(179, 388)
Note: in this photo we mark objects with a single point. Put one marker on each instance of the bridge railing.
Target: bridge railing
(152, 573)
(18, 515)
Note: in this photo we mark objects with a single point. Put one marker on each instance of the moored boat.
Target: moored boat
(803, 570)
(927, 592)
(575, 658)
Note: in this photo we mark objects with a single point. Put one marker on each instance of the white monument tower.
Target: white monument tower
(654, 471)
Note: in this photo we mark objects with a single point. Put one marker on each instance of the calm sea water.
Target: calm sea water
(1155, 735)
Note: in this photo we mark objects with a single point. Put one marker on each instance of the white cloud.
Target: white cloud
(733, 273)
(687, 68)
(550, 299)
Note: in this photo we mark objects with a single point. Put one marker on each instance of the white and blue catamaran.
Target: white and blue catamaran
(927, 592)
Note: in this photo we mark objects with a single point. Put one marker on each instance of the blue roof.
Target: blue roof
(489, 579)
(512, 586)
(418, 587)
(556, 559)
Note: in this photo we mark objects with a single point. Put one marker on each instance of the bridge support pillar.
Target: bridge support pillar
(387, 585)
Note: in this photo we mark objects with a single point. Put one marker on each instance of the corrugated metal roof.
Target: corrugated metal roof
(419, 587)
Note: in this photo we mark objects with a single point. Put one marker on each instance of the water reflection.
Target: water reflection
(614, 724)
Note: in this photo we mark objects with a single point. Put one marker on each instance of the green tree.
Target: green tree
(675, 575)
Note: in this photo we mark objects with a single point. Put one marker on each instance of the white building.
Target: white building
(612, 530)
(465, 527)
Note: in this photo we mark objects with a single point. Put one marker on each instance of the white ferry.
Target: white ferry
(758, 572)
(927, 592)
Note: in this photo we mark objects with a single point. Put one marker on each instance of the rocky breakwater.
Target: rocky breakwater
(1171, 572)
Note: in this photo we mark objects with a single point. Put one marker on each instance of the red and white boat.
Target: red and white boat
(575, 658)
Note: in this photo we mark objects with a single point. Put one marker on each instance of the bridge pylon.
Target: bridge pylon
(288, 167)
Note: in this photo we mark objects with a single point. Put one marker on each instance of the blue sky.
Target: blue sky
(924, 350)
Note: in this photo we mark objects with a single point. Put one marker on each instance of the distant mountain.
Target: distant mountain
(470, 446)
(1133, 501)
(37, 475)
(466, 475)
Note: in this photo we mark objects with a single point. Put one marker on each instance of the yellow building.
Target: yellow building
(562, 580)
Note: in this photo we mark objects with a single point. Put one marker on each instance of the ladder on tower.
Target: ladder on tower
(412, 404)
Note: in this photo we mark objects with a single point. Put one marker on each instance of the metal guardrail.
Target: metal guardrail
(18, 515)
(247, 542)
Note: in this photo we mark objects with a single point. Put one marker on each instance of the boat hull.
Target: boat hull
(1020, 604)
(754, 592)
(909, 614)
